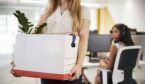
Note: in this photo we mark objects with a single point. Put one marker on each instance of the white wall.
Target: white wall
(130, 12)
(8, 31)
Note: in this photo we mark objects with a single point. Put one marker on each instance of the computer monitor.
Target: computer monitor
(140, 40)
(98, 43)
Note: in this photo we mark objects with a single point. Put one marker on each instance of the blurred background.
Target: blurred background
(104, 14)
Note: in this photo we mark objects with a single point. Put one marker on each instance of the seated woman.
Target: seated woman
(121, 37)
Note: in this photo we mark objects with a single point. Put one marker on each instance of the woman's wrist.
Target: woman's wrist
(79, 65)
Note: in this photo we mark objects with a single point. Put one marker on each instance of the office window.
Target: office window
(9, 24)
(12, 24)
(6, 43)
(34, 1)
(8, 31)
(2, 23)
(8, 0)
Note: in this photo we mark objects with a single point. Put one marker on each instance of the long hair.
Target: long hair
(125, 35)
(74, 7)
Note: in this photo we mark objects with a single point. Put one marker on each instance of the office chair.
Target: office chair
(126, 60)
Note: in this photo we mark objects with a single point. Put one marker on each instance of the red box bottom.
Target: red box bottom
(42, 75)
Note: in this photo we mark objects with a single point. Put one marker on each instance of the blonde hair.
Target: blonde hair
(74, 8)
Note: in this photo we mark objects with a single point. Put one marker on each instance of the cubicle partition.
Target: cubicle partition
(139, 39)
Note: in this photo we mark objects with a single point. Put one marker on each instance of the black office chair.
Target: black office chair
(126, 60)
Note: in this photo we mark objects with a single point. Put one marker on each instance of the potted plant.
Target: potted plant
(26, 26)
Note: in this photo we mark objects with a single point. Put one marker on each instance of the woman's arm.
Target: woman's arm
(113, 53)
(82, 49)
(109, 63)
(43, 17)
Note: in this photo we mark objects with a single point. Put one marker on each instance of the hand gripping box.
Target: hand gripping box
(45, 56)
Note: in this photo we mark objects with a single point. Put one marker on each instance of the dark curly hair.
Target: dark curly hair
(125, 34)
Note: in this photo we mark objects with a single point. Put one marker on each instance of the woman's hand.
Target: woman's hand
(103, 63)
(12, 71)
(75, 72)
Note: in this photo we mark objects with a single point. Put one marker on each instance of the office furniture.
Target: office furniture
(139, 39)
(98, 43)
(126, 60)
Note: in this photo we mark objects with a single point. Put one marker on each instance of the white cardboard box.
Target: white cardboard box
(45, 56)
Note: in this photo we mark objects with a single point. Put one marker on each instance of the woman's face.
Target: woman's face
(115, 34)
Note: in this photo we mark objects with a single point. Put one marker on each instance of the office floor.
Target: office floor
(7, 78)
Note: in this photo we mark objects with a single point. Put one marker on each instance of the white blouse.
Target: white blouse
(119, 45)
(58, 23)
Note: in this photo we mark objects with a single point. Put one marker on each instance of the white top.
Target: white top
(119, 45)
(58, 23)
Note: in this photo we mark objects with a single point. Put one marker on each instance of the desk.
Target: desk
(142, 63)
(88, 65)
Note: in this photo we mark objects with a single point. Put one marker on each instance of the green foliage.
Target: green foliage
(25, 25)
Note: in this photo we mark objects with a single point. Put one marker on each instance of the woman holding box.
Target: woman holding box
(68, 17)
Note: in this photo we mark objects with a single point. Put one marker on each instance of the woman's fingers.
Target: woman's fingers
(75, 73)
(73, 78)
(14, 73)
(72, 71)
